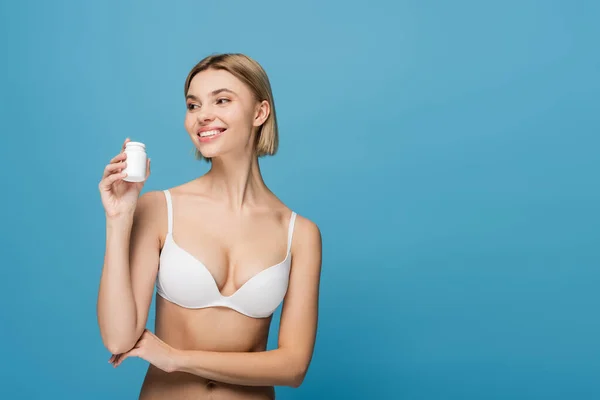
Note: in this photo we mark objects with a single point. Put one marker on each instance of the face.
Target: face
(222, 114)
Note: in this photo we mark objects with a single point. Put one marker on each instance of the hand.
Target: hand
(118, 196)
(152, 349)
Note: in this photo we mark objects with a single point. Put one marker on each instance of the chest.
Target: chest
(233, 250)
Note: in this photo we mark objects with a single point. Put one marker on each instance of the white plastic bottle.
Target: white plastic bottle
(136, 162)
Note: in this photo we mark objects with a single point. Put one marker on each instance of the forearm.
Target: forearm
(266, 368)
(116, 304)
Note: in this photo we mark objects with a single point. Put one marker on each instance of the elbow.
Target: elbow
(118, 341)
(296, 369)
(117, 346)
(298, 376)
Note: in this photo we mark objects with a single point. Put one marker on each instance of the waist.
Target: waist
(180, 385)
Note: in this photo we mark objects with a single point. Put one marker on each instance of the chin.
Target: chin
(209, 153)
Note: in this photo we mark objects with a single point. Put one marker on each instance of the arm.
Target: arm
(288, 364)
(130, 267)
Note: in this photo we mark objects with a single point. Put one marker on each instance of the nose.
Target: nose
(205, 115)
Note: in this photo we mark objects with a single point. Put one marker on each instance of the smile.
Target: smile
(207, 136)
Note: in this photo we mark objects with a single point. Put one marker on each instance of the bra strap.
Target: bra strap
(291, 232)
(169, 211)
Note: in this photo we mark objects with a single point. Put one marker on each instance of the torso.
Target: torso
(233, 249)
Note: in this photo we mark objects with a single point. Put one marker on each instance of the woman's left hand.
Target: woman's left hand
(152, 349)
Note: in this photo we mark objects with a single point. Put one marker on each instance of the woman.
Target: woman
(223, 250)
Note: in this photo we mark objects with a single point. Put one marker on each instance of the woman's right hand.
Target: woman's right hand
(118, 196)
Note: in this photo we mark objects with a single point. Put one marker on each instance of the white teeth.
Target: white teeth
(209, 133)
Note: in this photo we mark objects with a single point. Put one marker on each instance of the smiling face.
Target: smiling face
(223, 115)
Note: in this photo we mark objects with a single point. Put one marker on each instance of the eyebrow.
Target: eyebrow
(213, 93)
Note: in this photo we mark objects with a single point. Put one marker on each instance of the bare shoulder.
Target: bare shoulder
(306, 227)
(151, 202)
(307, 236)
(151, 212)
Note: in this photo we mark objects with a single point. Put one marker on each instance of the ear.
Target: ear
(262, 111)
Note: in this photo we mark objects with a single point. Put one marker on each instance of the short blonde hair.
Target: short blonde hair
(254, 76)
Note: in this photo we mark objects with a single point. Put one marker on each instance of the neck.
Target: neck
(236, 181)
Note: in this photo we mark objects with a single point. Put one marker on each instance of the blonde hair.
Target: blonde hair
(254, 76)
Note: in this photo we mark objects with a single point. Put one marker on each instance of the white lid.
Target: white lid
(140, 144)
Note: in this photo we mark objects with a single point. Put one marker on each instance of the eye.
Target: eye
(222, 100)
(191, 106)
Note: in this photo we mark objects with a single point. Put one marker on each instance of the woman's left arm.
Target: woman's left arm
(285, 366)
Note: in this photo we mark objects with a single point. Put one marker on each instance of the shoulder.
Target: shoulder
(307, 252)
(151, 209)
(156, 200)
(307, 235)
(151, 201)
(306, 227)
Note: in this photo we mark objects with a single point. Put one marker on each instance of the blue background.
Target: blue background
(447, 150)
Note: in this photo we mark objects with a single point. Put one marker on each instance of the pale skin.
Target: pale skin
(229, 219)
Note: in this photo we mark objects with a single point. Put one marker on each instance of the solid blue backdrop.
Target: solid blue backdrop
(447, 150)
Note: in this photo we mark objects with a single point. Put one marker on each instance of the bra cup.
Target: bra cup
(184, 280)
(188, 282)
(263, 293)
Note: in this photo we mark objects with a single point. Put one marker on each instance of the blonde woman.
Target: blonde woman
(222, 250)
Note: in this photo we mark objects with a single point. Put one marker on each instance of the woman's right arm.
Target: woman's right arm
(131, 258)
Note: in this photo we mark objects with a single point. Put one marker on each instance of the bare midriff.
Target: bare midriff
(209, 329)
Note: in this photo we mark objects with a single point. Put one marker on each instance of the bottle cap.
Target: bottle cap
(135, 144)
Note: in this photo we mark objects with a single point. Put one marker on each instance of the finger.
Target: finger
(148, 168)
(131, 353)
(112, 358)
(107, 182)
(111, 168)
(119, 157)
(124, 144)
(117, 359)
(118, 160)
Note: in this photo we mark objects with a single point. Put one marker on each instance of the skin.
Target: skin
(229, 219)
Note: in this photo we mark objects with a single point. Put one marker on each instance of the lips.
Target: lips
(209, 133)
(209, 128)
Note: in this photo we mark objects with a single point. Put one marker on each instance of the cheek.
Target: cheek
(237, 116)
(188, 122)
(228, 115)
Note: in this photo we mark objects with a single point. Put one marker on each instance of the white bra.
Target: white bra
(182, 279)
